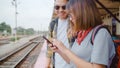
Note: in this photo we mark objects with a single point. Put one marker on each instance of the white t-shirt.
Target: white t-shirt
(62, 36)
(101, 52)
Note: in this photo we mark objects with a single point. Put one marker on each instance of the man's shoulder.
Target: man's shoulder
(55, 20)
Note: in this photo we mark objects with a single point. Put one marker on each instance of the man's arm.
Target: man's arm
(48, 57)
(48, 63)
(49, 52)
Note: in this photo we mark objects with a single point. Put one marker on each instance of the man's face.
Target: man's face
(60, 8)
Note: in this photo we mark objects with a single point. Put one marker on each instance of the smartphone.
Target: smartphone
(47, 40)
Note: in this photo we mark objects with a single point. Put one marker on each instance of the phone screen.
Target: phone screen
(47, 40)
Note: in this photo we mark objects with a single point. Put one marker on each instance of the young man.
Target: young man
(58, 29)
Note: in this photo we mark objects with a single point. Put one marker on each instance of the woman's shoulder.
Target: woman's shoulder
(104, 31)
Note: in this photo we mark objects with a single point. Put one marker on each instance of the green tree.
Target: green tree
(30, 31)
(20, 31)
(4, 26)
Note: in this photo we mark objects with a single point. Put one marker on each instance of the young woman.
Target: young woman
(84, 17)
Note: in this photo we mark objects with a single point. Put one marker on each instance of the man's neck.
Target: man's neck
(62, 19)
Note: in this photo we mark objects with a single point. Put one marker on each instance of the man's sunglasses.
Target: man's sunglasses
(58, 7)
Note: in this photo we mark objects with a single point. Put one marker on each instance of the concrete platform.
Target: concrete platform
(41, 60)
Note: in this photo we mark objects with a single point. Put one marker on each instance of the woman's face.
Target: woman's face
(60, 8)
(72, 17)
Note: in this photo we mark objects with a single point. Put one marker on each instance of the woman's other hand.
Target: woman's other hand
(59, 45)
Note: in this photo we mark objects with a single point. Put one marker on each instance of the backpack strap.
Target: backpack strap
(53, 23)
(95, 31)
(53, 26)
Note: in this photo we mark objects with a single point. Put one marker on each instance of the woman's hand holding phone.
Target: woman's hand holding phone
(55, 45)
(50, 44)
(48, 40)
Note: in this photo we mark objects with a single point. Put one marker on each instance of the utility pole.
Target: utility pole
(14, 3)
(41, 30)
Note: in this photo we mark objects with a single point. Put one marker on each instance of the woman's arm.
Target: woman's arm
(80, 63)
(66, 53)
(55, 49)
(64, 57)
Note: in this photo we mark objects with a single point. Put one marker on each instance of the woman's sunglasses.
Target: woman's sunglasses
(58, 7)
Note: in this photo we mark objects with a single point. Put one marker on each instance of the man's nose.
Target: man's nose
(60, 9)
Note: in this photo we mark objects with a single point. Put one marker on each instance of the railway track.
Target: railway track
(4, 41)
(15, 58)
